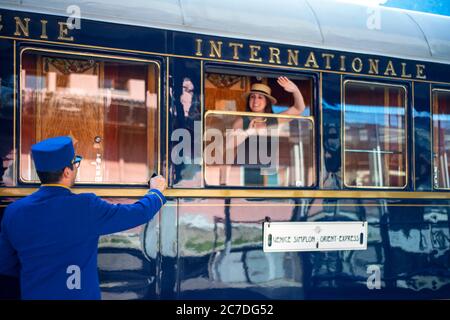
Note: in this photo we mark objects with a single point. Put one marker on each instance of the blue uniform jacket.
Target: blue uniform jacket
(51, 236)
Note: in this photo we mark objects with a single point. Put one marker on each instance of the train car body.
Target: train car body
(133, 85)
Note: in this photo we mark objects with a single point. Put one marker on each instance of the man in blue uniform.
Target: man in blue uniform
(49, 239)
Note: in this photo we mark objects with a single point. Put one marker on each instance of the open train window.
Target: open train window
(375, 149)
(225, 91)
(108, 107)
(441, 138)
(244, 147)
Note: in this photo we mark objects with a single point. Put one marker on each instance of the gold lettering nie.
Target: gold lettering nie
(64, 32)
(44, 29)
(22, 26)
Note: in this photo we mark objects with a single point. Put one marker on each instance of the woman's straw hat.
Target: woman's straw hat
(261, 89)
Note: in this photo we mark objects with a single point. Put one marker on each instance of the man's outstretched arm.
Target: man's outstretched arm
(106, 218)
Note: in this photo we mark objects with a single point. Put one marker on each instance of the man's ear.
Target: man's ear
(66, 172)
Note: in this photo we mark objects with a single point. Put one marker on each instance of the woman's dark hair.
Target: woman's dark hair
(52, 177)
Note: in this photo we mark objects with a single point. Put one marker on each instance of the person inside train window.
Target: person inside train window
(260, 100)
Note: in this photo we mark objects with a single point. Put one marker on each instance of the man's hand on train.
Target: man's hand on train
(158, 182)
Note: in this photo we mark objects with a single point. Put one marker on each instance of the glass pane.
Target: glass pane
(109, 109)
(375, 135)
(441, 134)
(248, 150)
(226, 92)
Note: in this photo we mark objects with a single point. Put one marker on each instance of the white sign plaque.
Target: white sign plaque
(314, 236)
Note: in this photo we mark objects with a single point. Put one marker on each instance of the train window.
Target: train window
(108, 107)
(248, 148)
(441, 138)
(227, 91)
(277, 152)
(375, 151)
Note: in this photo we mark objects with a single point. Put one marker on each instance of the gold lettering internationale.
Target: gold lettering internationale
(236, 47)
(254, 51)
(342, 68)
(404, 75)
(420, 71)
(328, 62)
(274, 53)
(311, 62)
(198, 43)
(64, 32)
(357, 65)
(23, 26)
(328, 57)
(292, 57)
(44, 29)
(390, 70)
(216, 49)
(374, 66)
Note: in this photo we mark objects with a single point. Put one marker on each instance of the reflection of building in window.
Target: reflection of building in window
(108, 108)
(332, 155)
(229, 234)
(186, 109)
(441, 138)
(375, 135)
(281, 154)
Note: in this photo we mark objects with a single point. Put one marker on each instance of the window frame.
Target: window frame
(316, 97)
(242, 113)
(102, 57)
(267, 73)
(406, 124)
(435, 172)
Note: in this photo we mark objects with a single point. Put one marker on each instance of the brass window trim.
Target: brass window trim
(433, 90)
(258, 114)
(267, 115)
(244, 193)
(116, 58)
(343, 88)
(217, 66)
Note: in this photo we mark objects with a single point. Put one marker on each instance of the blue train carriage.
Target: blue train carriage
(154, 88)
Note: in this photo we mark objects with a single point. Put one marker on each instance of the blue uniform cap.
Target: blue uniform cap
(53, 154)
